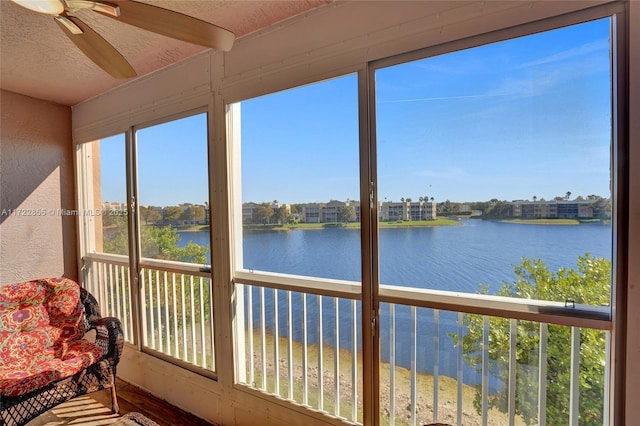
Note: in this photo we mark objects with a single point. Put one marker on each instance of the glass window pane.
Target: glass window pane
(440, 366)
(177, 315)
(300, 181)
(110, 195)
(300, 216)
(173, 190)
(494, 167)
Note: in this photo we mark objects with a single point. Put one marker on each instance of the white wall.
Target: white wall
(332, 40)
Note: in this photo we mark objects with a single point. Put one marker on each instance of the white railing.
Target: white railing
(444, 355)
(176, 314)
(107, 279)
(293, 328)
(303, 348)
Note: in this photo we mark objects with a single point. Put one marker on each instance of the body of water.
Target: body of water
(453, 258)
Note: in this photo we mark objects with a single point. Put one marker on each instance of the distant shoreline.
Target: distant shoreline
(354, 225)
(562, 222)
(395, 224)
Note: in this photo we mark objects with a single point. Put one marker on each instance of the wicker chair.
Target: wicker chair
(20, 409)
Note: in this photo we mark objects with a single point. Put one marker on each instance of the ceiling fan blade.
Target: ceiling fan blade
(173, 24)
(97, 48)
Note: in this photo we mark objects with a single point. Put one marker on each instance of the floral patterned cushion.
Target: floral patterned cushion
(52, 364)
(41, 326)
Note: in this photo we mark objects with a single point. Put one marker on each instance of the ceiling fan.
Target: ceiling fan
(151, 18)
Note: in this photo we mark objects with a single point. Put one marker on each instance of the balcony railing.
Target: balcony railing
(176, 306)
(308, 332)
(106, 276)
(462, 359)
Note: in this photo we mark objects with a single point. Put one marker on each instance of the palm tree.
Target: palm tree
(568, 195)
(535, 198)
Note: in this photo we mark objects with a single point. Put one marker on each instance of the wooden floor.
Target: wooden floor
(95, 410)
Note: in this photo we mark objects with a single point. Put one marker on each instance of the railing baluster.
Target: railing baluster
(290, 344)
(607, 378)
(143, 292)
(513, 337)
(354, 362)
(91, 277)
(336, 358)
(320, 357)
(250, 329)
(125, 303)
(116, 290)
(192, 302)
(202, 325)
(151, 331)
(110, 290)
(414, 360)
(460, 365)
(158, 311)
(185, 345)
(211, 323)
(276, 343)
(392, 364)
(167, 329)
(103, 288)
(574, 387)
(542, 376)
(176, 343)
(305, 359)
(263, 340)
(436, 362)
(485, 370)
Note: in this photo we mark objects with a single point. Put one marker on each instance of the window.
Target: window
(105, 220)
(162, 244)
(494, 179)
(108, 211)
(300, 222)
(173, 190)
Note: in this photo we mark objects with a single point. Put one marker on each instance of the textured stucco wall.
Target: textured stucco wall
(36, 182)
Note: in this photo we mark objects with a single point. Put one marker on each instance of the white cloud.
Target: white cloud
(582, 50)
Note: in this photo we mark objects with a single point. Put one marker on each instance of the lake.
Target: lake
(454, 258)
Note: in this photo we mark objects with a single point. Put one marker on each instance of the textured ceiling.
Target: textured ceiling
(38, 60)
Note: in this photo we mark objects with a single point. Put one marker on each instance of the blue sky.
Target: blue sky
(510, 120)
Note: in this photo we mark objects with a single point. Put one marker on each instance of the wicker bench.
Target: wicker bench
(44, 358)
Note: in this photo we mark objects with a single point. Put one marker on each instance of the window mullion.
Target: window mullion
(369, 241)
(134, 235)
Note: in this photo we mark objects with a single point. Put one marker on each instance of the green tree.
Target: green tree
(171, 213)
(115, 236)
(281, 214)
(194, 213)
(156, 243)
(588, 284)
(150, 214)
(347, 214)
(264, 212)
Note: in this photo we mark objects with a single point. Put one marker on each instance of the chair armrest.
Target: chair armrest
(109, 337)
